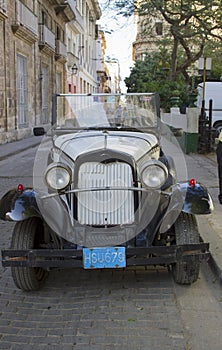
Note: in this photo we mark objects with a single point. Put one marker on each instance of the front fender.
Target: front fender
(18, 205)
(197, 199)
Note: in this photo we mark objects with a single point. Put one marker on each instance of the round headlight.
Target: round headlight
(58, 176)
(154, 174)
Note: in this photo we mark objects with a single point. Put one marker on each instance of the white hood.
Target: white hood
(133, 144)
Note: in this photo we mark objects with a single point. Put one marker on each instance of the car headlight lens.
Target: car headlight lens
(58, 176)
(154, 174)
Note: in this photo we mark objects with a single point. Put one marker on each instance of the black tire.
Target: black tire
(27, 235)
(186, 231)
(218, 127)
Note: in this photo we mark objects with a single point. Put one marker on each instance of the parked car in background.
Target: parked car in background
(211, 90)
(105, 195)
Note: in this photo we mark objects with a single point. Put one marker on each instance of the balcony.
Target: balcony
(72, 59)
(66, 9)
(78, 19)
(57, 2)
(26, 23)
(60, 51)
(3, 9)
(47, 40)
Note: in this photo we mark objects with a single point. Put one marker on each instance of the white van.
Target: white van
(213, 91)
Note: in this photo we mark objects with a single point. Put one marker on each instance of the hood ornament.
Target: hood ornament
(106, 133)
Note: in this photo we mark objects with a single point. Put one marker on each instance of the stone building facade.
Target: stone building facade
(83, 51)
(34, 59)
(148, 36)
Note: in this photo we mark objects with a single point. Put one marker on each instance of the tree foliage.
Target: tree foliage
(151, 75)
(190, 25)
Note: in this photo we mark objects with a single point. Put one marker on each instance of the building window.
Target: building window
(58, 83)
(44, 18)
(143, 56)
(60, 107)
(45, 94)
(69, 45)
(22, 91)
(159, 28)
(58, 33)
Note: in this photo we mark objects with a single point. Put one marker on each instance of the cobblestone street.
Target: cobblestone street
(93, 310)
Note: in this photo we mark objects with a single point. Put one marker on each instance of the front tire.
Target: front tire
(218, 127)
(28, 235)
(186, 232)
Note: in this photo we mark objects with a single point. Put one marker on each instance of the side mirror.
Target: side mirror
(39, 131)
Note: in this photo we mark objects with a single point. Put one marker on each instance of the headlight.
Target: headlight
(58, 176)
(154, 174)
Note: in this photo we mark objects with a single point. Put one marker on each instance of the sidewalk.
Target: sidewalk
(205, 166)
(202, 167)
(11, 148)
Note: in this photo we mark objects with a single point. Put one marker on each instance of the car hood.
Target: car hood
(133, 144)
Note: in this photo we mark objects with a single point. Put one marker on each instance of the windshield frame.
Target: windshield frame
(148, 99)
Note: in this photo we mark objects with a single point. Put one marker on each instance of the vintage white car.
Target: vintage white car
(105, 195)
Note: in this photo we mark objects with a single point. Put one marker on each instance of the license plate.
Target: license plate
(105, 257)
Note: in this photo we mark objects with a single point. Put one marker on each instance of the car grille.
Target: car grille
(105, 207)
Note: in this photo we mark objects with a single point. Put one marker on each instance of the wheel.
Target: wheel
(218, 127)
(27, 235)
(186, 231)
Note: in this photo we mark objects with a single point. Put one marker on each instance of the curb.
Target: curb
(22, 147)
(208, 234)
(215, 268)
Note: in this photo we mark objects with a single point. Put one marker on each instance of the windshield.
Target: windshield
(74, 111)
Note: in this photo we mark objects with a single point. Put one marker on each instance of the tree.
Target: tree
(190, 24)
(151, 75)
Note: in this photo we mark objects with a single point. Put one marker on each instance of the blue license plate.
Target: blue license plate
(105, 257)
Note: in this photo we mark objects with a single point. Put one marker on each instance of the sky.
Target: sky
(119, 34)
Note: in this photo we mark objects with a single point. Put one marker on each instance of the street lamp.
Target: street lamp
(74, 69)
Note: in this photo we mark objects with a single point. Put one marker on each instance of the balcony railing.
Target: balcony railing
(26, 18)
(78, 17)
(57, 2)
(66, 9)
(3, 9)
(47, 37)
(72, 59)
(3, 5)
(61, 52)
(72, 4)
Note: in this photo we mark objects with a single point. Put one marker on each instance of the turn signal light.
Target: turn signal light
(192, 182)
(20, 188)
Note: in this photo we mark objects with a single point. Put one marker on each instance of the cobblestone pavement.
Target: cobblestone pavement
(133, 309)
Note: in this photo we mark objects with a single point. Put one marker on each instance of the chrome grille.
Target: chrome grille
(105, 207)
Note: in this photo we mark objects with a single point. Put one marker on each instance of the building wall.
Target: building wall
(148, 35)
(82, 38)
(34, 60)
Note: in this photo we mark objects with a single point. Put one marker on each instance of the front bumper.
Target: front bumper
(70, 258)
